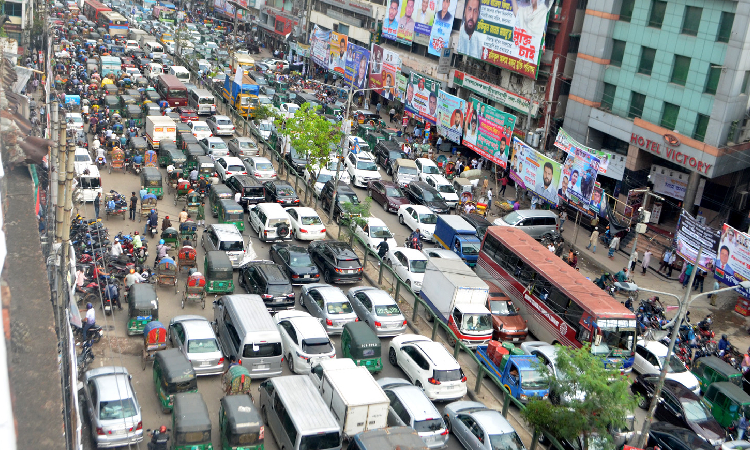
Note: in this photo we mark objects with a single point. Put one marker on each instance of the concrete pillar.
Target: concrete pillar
(692, 189)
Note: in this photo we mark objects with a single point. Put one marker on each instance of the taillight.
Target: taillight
(295, 276)
(279, 201)
(139, 427)
(257, 174)
(445, 432)
(463, 380)
(274, 174)
(378, 324)
(296, 201)
(100, 431)
(323, 230)
(302, 230)
(356, 319)
(243, 173)
(290, 295)
(329, 322)
(404, 324)
(266, 296)
(432, 381)
(221, 360)
(262, 433)
(240, 361)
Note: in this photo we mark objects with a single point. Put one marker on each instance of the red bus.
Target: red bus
(171, 89)
(559, 303)
(92, 9)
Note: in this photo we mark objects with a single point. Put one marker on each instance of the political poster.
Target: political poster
(732, 261)
(337, 52)
(441, 27)
(566, 143)
(319, 42)
(450, 118)
(401, 82)
(508, 34)
(421, 97)
(383, 69)
(390, 21)
(488, 131)
(691, 235)
(424, 16)
(536, 172)
(357, 60)
(580, 170)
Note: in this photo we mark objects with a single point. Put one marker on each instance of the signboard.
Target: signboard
(337, 46)
(319, 42)
(441, 27)
(488, 131)
(691, 235)
(566, 143)
(383, 69)
(355, 71)
(426, 22)
(507, 34)
(421, 97)
(579, 180)
(444, 63)
(674, 184)
(534, 171)
(495, 93)
(450, 117)
(732, 262)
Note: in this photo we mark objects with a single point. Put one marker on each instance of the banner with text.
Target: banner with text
(357, 60)
(337, 52)
(440, 33)
(579, 179)
(488, 131)
(732, 263)
(385, 66)
(534, 171)
(450, 117)
(421, 97)
(564, 142)
(690, 235)
(319, 42)
(495, 93)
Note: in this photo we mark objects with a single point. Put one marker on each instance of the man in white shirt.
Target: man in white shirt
(469, 41)
(532, 18)
(89, 320)
(116, 248)
(425, 14)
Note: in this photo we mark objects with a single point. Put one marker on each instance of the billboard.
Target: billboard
(488, 131)
(732, 258)
(440, 34)
(426, 22)
(355, 70)
(579, 179)
(337, 52)
(421, 97)
(383, 70)
(319, 42)
(534, 171)
(566, 143)
(450, 118)
(507, 34)
(691, 235)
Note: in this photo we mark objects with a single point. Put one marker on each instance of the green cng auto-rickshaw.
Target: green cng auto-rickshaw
(726, 401)
(360, 343)
(219, 273)
(229, 211)
(240, 424)
(173, 374)
(143, 307)
(152, 182)
(136, 113)
(216, 193)
(711, 369)
(191, 424)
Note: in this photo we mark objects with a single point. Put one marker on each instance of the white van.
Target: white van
(204, 66)
(89, 181)
(202, 101)
(181, 73)
(153, 70)
(247, 331)
(153, 48)
(225, 237)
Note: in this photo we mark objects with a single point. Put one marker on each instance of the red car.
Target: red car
(186, 114)
(388, 194)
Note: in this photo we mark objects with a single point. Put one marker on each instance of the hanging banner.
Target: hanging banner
(564, 142)
(357, 60)
(319, 42)
(441, 27)
(580, 169)
(534, 171)
(691, 235)
(383, 69)
(390, 22)
(450, 117)
(421, 97)
(673, 183)
(506, 34)
(732, 261)
(488, 131)
(337, 50)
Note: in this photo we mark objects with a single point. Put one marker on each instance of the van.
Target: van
(202, 101)
(153, 70)
(152, 49)
(404, 171)
(270, 221)
(145, 38)
(225, 237)
(535, 222)
(89, 181)
(181, 73)
(297, 416)
(392, 438)
(247, 331)
(204, 66)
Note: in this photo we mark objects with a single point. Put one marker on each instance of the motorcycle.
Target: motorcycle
(152, 229)
(415, 243)
(100, 162)
(86, 356)
(159, 441)
(95, 333)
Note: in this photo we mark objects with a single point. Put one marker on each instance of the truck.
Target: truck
(110, 64)
(455, 233)
(519, 374)
(239, 95)
(458, 297)
(243, 60)
(158, 128)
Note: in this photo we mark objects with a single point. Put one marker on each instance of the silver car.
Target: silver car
(260, 167)
(411, 408)
(195, 338)
(220, 125)
(378, 310)
(242, 147)
(112, 407)
(329, 304)
(478, 427)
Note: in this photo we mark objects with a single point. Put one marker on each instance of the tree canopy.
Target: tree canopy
(312, 135)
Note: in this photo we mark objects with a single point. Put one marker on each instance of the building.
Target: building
(21, 20)
(666, 83)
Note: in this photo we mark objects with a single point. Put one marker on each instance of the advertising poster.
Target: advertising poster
(401, 82)
(441, 27)
(424, 15)
(337, 52)
(564, 142)
(383, 69)
(319, 41)
(580, 169)
(691, 235)
(488, 131)
(596, 199)
(507, 34)
(450, 118)
(534, 171)
(732, 261)
(406, 24)
(390, 22)
(357, 62)
(421, 97)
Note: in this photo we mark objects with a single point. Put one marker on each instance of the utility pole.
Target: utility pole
(61, 164)
(344, 141)
(54, 169)
(549, 103)
(647, 194)
(308, 23)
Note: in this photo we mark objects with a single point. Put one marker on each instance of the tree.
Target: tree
(588, 398)
(263, 112)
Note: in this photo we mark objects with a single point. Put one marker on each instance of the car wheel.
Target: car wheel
(301, 302)
(419, 385)
(328, 277)
(351, 179)
(401, 219)
(385, 206)
(392, 357)
(290, 362)
(542, 439)
(447, 421)
(644, 403)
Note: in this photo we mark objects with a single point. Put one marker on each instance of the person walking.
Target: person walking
(713, 298)
(133, 204)
(593, 240)
(686, 275)
(391, 113)
(563, 213)
(664, 263)
(646, 261)
(503, 185)
(377, 108)
(700, 277)
(613, 246)
(97, 203)
(631, 262)
(383, 248)
(485, 184)
(201, 216)
(489, 200)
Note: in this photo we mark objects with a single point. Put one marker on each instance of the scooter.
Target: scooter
(152, 229)
(100, 162)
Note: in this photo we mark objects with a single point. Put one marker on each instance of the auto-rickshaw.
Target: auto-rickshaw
(151, 109)
(362, 345)
(192, 202)
(240, 425)
(191, 424)
(711, 369)
(171, 237)
(151, 181)
(364, 129)
(219, 273)
(173, 374)
(154, 340)
(726, 401)
(168, 144)
(172, 156)
(150, 159)
(389, 133)
(143, 307)
(216, 193)
(279, 86)
(236, 381)
(163, 155)
(135, 113)
(206, 167)
(134, 93)
(117, 160)
(230, 211)
(113, 103)
(192, 154)
(127, 100)
(152, 95)
(183, 139)
(181, 127)
(336, 108)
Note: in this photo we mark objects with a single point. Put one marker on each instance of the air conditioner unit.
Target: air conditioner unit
(640, 228)
(741, 201)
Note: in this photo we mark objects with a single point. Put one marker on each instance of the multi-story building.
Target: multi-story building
(21, 17)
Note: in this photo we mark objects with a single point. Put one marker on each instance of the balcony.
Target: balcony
(475, 69)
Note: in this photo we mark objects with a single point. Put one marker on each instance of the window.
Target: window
(626, 10)
(618, 50)
(669, 115)
(13, 9)
(658, 8)
(692, 20)
(712, 81)
(647, 60)
(700, 127)
(746, 82)
(725, 27)
(636, 105)
(680, 70)
(608, 96)
(575, 41)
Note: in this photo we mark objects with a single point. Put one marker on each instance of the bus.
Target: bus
(92, 10)
(115, 23)
(171, 89)
(559, 303)
(164, 14)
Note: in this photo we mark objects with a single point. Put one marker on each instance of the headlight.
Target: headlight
(524, 397)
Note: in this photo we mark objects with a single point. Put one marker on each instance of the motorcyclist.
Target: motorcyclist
(88, 321)
(621, 276)
(161, 250)
(153, 219)
(159, 439)
(133, 278)
(415, 236)
(111, 294)
(194, 175)
(705, 324)
(723, 345)
(101, 153)
(137, 243)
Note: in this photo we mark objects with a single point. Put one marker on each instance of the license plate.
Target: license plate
(515, 339)
(205, 363)
(261, 367)
(118, 432)
(428, 439)
(450, 387)
(306, 276)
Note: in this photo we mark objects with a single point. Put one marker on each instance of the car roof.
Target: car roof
(378, 296)
(111, 382)
(675, 387)
(420, 209)
(221, 116)
(213, 139)
(657, 348)
(426, 162)
(439, 179)
(224, 230)
(365, 156)
(308, 327)
(304, 211)
(411, 253)
(492, 422)
(273, 272)
(339, 248)
(258, 159)
(199, 122)
(440, 253)
(327, 289)
(374, 221)
(243, 139)
(416, 402)
(196, 327)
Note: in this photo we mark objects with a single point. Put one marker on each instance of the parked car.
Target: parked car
(242, 147)
(329, 304)
(304, 340)
(377, 309)
(260, 167)
(650, 357)
(478, 427)
(306, 224)
(112, 407)
(269, 280)
(337, 261)
(281, 192)
(421, 193)
(388, 194)
(220, 125)
(410, 265)
(296, 261)
(418, 217)
(373, 233)
(227, 166)
(667, 436)
(194, 336)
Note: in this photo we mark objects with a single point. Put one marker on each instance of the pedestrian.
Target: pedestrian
(563, 213)
(485, 184)
(383, 248)
(503, 185)
(133, 204)
(377, 108)
(183, 216)
(742, 426)
(646, 261)
(700, 276)
(594, 239)
(97, 203)
(686, 275)
(489, 200)
(201, 216)
(633, 259)
(664, 263)
(613, 246)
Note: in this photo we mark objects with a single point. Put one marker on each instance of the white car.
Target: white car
(445, 189)
(74, 121)
(429, 366)
(287, 110)
(221, 125)
(200, 129)
(418, 216)
(440, 253)
(131, 45)
(260, 167)
(374, 232)
(265, 127)
(83, 157)
(736, 445)
(426, 167)
(226, 166)
(317, 178)
(650, 357)
(133, 73)
(409, 264)
(306, 224)
(304, 341)
(169, 47)
(361, 168)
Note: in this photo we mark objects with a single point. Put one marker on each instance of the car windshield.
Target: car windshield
(533, 379)
(244, 144)
(83, 158)
(202, 345)
(675, 365)
(393, 192)
(219, 145)
(512, 218)
(300, 260)
(346, 198)
(323, 177)
(205, 101)
(231, 246)
(503, 308)
(380, 231)
(418, 266)
(235, 168)
(320, 441)
(429, 219)
(311, 220)
(332, 165)
(447, 375)
(407, 170)
(117, 409)
(508, 441)
(430, 169)
(387, 310)
(430, 196)
(292, 108)
(470, 249)
(476, 322)
(266, 350)
(280, 289)
(367, 165)
(695, 411)
(264, 126)
(223, 121)
(426, 426)
(274, 223)
(445, 189)
(264, 166)
(339, 308)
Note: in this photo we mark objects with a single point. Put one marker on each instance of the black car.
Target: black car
(668, 436)
(297, 161)
(385, 152)
(337, 261)
(251, 190)
(268, 280)
(281, 192)
(142, 62)
(297, 262)
(679, 406)
(421, 193)
(478, 222)
(344, 194)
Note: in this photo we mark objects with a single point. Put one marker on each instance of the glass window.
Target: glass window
(658, 8)
(712, 80)
(626, 10)
(573, 314)
(746, 82)
(680, 69)
(636, 104)
(700, 127)
(725, 26)
(618, 50)
(647, 60)
(692, 20)
(669, 115)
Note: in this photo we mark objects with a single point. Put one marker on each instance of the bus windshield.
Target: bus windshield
(615, 343)
(178, 93)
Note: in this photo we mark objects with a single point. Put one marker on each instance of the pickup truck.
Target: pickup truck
(455, 233)
(519, 374)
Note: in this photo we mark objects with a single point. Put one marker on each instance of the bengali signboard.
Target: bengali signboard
(495, 93)
(534, 171)
(421, 97)
(383, 70)
(420, 21)
(566, 143)
(357, 60)
(691, 235)
(441, 27)
(488, 131)
(732, 261)
(450, 117)
(319, 46)
(337, 52)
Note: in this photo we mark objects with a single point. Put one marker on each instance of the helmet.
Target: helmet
(153, 210)
(117, 239)
(167, 217)
(724, 336)
(162, 429)
(161, 241)
(89, 305)
(136, 233)
(132, 270)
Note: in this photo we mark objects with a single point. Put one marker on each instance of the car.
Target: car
(736, 445)
(440, 253)
(418, 217)
(344, 194)
(479, 427)
(194, 336)
(304, 341)
(251, 190)
(226, 166)
(296, 261)
(679, 406)
(387, 151)
(131, 46)
(218, 79)
(186, 114)
(269, 280)
(426, 168)
(242, 147)
(410, 407)
(507, 323)
(112, 407)
(650, 357)
(373, 233)
(297, 161)
(287, 110)
(260, 167)
(270, 221)
(263, 128)
(281, 192)
(74, 121)
(421, 193)
(337, 261)
(444, 188)
(329, 304)
(429, 366)
(220, 125)
(133, 73)
(361, 168)
(480, 223)
(410, 265)
(317, 177)
(306, 224)
(82, 156)
(214, 146)
(667, 436)
(388, 194)
(378, 310)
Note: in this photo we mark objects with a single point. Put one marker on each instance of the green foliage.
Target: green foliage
(263, 112)
(592, 398)
(311, 135)
(355, 214)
